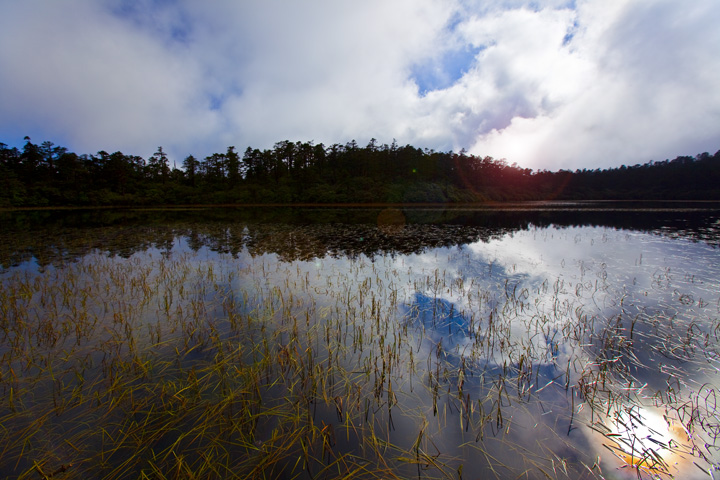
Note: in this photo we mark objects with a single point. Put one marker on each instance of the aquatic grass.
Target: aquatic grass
(185, 365)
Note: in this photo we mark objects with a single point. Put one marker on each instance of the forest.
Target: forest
(45, 174)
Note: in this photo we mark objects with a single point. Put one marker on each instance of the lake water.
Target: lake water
(542, 340)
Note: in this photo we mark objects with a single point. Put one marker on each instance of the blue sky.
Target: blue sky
(546, 84)
(441, 73)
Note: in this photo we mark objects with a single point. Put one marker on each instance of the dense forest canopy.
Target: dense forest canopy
(303, 172)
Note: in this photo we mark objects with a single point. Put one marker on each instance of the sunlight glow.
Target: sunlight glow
(648, 441)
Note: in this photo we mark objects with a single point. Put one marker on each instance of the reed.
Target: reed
(189, 365)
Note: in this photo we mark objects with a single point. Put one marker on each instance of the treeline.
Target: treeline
(303, 172)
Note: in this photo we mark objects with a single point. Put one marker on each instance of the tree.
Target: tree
(31, 158)
(190, 165)
(213, 168)
(158, 166)
(9, 157)
(118, 172)
(70, 171)
(232, 162)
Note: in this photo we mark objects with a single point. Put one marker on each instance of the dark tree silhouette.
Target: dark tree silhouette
(303, 172)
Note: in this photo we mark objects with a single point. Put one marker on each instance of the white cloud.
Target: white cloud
(338, 70)
(522, 72)
(74, 71)
(570, 84)
(643, 89)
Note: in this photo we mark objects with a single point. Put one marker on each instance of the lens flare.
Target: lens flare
(646, 440)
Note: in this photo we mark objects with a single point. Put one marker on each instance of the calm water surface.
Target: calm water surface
(532, 341)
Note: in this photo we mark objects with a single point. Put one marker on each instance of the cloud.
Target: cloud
(76, 72)
(520, 72)
(337, 72)
(565, 84)
(642, 89)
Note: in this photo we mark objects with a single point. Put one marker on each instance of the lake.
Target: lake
(529, 340)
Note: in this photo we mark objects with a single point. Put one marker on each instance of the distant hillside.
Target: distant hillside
(49, 175)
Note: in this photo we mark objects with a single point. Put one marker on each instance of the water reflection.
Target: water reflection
(304, 233)
(588, 301)
(414, 343)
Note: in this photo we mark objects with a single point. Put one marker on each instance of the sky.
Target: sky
(550, 84)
